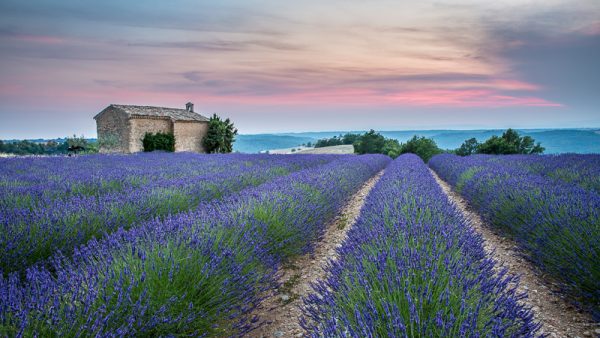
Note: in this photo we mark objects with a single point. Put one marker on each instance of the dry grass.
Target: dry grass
(343, 149)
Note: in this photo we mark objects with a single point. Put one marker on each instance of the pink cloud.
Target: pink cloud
(514, 85)
(491, 95)
(44, 39)
(467, 98)
(593, 29)
(11, 89)
(421, 98)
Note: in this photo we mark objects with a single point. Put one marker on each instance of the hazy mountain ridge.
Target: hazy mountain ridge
(554, 140)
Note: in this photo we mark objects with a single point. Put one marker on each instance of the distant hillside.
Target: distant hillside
(572, 141)
(554, 140)
(261, 142)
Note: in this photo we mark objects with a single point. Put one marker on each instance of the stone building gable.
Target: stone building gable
(126, 126)
(113, 129)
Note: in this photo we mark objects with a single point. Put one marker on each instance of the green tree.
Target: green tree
(25, 147)
(510, 143)
(350, 138)
(220, 135)
(79, 144)
(76, 141)
(392, 148)
(424, 147)
(328, 142)
(369, 143)
(469, 147)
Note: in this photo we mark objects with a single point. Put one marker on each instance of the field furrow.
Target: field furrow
(280, 312)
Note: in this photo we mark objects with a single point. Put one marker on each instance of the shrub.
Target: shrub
(159, 141)
(220, 135)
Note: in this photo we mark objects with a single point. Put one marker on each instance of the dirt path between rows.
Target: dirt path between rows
(558, 317)
(280, 313)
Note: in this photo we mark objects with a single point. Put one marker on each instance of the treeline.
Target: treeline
(509, 143)
(25, 147)
(337, 140)
(373, 142)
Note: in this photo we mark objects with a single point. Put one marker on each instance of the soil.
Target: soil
(280, 312)
(551, 308)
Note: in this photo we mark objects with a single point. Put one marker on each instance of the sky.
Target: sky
(311, 65)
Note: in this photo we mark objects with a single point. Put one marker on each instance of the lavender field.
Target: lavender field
(57, 204)
(412, 267)
(159, 244)
(550, 205)
(196, 269)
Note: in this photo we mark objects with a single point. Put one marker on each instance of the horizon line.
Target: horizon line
(350, 131)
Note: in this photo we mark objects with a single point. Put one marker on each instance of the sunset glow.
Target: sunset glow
(250, 59)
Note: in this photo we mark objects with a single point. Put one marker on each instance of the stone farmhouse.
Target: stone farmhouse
(123, 127)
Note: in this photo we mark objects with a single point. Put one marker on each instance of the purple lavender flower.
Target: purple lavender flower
(198, 272)
(412, 267)
(549, 204)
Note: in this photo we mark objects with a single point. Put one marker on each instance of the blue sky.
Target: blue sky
(303, 66)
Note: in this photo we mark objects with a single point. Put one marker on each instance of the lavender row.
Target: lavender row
(412, 267)
(32, 235)
(30, 182)
(556, 224)
(197, 273)
(35, 182)
(582, 170)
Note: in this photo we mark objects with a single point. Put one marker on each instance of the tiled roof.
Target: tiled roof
(172, 113)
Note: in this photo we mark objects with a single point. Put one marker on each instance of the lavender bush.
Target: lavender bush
(412, 267)
(582, 170)
(50, 204)
(196, 273)
(546, 204)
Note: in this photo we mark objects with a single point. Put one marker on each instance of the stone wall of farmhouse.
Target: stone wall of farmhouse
(113, 130)
(125, 133)
(139, 126)
(189, 134)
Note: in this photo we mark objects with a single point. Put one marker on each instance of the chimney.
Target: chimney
(189, 107)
